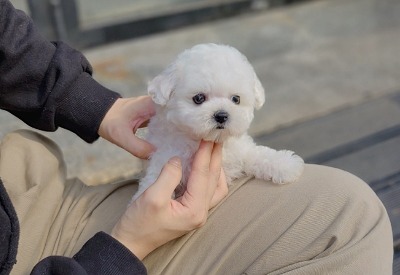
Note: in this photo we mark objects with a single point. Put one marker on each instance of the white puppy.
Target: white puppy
(210, 92)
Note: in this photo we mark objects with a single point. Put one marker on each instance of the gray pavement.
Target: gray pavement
(312, 58)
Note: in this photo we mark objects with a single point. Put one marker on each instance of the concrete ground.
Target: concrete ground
(313, 59)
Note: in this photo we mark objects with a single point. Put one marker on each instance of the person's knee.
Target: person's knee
(349, 205)
(23, 136)
(343, 189)
(351, 215)
(29, 159)
(28, 142)
(337, 186)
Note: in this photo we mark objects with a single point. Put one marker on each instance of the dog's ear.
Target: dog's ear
(162, 86)
(259, 93)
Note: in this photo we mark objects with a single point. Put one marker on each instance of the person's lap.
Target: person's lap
(329, 221)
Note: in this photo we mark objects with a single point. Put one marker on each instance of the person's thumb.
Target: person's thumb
(169, 179)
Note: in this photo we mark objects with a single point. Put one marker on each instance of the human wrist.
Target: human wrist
(138, 247)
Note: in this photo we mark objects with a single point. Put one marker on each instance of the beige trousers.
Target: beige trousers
(329, 222)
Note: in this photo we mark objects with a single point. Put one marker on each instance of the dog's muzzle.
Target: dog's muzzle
(221, 117)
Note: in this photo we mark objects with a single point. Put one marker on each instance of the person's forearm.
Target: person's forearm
(47, 85)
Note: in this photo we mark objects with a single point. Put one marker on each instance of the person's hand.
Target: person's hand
(123, 119)
(154, 218)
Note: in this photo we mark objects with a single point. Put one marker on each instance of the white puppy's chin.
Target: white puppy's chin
(217, 135)
(212, 132)
(214, 135)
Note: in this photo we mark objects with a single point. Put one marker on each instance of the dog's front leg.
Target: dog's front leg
(268, 164)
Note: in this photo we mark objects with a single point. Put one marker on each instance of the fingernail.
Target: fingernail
(176, 161)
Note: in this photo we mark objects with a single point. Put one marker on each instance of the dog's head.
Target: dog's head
(209, 91)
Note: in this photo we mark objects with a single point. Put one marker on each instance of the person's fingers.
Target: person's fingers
(168, 180)
(198, 179)
(136, 146)
(215, 169)
(221, 190)
(123, 119)
(147, 104)
(202, 158)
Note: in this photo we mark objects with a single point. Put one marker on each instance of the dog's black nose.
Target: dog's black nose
(221, 116)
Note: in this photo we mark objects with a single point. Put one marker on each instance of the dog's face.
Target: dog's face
(209, 92)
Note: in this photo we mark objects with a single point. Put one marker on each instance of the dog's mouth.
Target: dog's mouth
(220, 127)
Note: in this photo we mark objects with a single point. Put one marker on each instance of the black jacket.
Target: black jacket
(49, 85)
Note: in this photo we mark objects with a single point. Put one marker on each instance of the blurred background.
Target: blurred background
(331, 70)
(87, 23)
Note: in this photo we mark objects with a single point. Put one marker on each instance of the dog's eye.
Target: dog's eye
(199, 98)
(235, 99)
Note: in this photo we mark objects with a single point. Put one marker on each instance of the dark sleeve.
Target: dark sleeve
(102, 254)
(9, 232)
(47, 85)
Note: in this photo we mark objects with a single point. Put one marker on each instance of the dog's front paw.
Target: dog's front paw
(286, 167)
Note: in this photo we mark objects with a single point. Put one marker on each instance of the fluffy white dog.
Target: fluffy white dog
(210, 92)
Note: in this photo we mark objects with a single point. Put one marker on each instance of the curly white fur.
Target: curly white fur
(222, 75)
